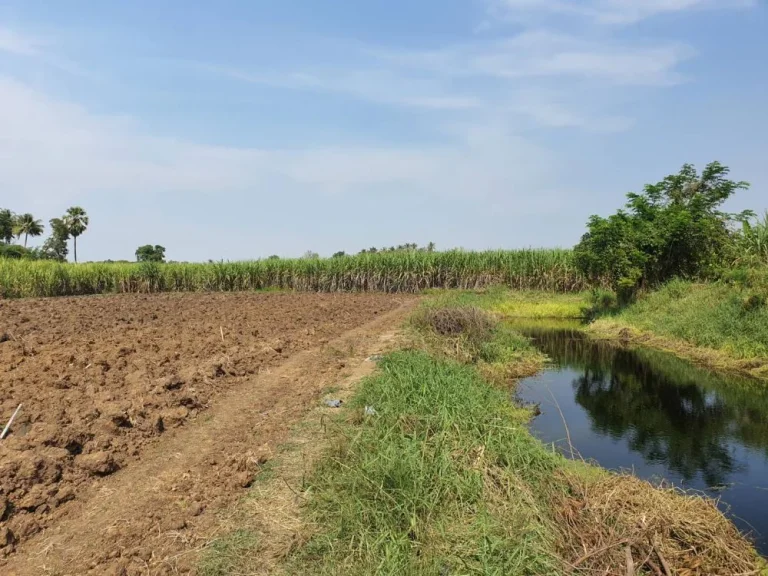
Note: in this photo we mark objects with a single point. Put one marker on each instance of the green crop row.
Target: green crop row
(409, 271)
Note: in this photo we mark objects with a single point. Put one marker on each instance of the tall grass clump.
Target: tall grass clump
(405, 271)
(753, 241)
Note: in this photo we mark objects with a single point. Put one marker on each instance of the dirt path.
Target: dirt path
(154, 516)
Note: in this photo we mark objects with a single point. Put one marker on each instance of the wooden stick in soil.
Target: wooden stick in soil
(630, 562)
(8, 426)
(664, 564)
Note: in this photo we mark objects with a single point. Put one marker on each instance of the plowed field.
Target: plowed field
(108, 383)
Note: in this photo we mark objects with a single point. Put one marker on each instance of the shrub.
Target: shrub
(673, 229)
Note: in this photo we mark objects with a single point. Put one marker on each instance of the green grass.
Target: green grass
(445, 479)
(551, 270)
(719, 316)
(529, 304)
(220, 558)
(509, 303)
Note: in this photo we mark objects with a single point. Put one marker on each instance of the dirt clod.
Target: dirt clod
(173, 382)
(98, 463)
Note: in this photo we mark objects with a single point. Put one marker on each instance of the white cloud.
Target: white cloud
(373, 84)
(607, 11)
(53, 152)
(17, 43)
(500, 75)
(546, 54)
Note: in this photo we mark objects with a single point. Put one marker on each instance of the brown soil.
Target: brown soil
(143, 415)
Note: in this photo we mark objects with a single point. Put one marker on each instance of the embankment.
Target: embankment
(720, 325)
(430, 469)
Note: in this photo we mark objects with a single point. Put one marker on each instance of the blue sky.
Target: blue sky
(239, 129)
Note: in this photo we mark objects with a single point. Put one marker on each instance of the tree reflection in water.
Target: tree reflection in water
(669, 411)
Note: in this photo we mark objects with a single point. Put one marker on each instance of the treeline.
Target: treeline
(71, 225)
(674, 228)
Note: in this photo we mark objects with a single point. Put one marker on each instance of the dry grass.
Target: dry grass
(468, 321)
(618, 524)
(472, 335)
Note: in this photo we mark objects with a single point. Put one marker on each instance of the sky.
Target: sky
(240, 129)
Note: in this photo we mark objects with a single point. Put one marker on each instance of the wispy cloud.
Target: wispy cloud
(606, 11)
(523, 78)
(543, 53)
(18, 43)
(55, 151)
(374, 84)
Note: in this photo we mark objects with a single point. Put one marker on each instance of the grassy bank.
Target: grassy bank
(407, 271)
(443, 477)
(723, 325)
(507, 303)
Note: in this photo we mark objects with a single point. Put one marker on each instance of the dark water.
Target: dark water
(659, 417)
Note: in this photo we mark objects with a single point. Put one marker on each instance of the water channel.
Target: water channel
(657, 416)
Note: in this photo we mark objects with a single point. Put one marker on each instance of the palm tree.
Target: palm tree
(76, 221)
(27, 225)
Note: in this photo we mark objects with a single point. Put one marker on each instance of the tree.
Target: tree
(76, 221)
(310, 255)
(673, 229)
(27, 225)
(149, 253)
(55, 246)
(7, 220)
(339, 254)
(431, 247)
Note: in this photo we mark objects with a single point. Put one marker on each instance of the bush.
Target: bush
(15, 252)
(673, 229)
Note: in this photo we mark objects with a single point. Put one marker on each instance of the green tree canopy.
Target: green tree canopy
(25, 224)
(55, 246)
(674, 228)
(149, 253)
(76, 221)
(7, 220)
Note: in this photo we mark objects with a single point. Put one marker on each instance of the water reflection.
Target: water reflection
(656, 414)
